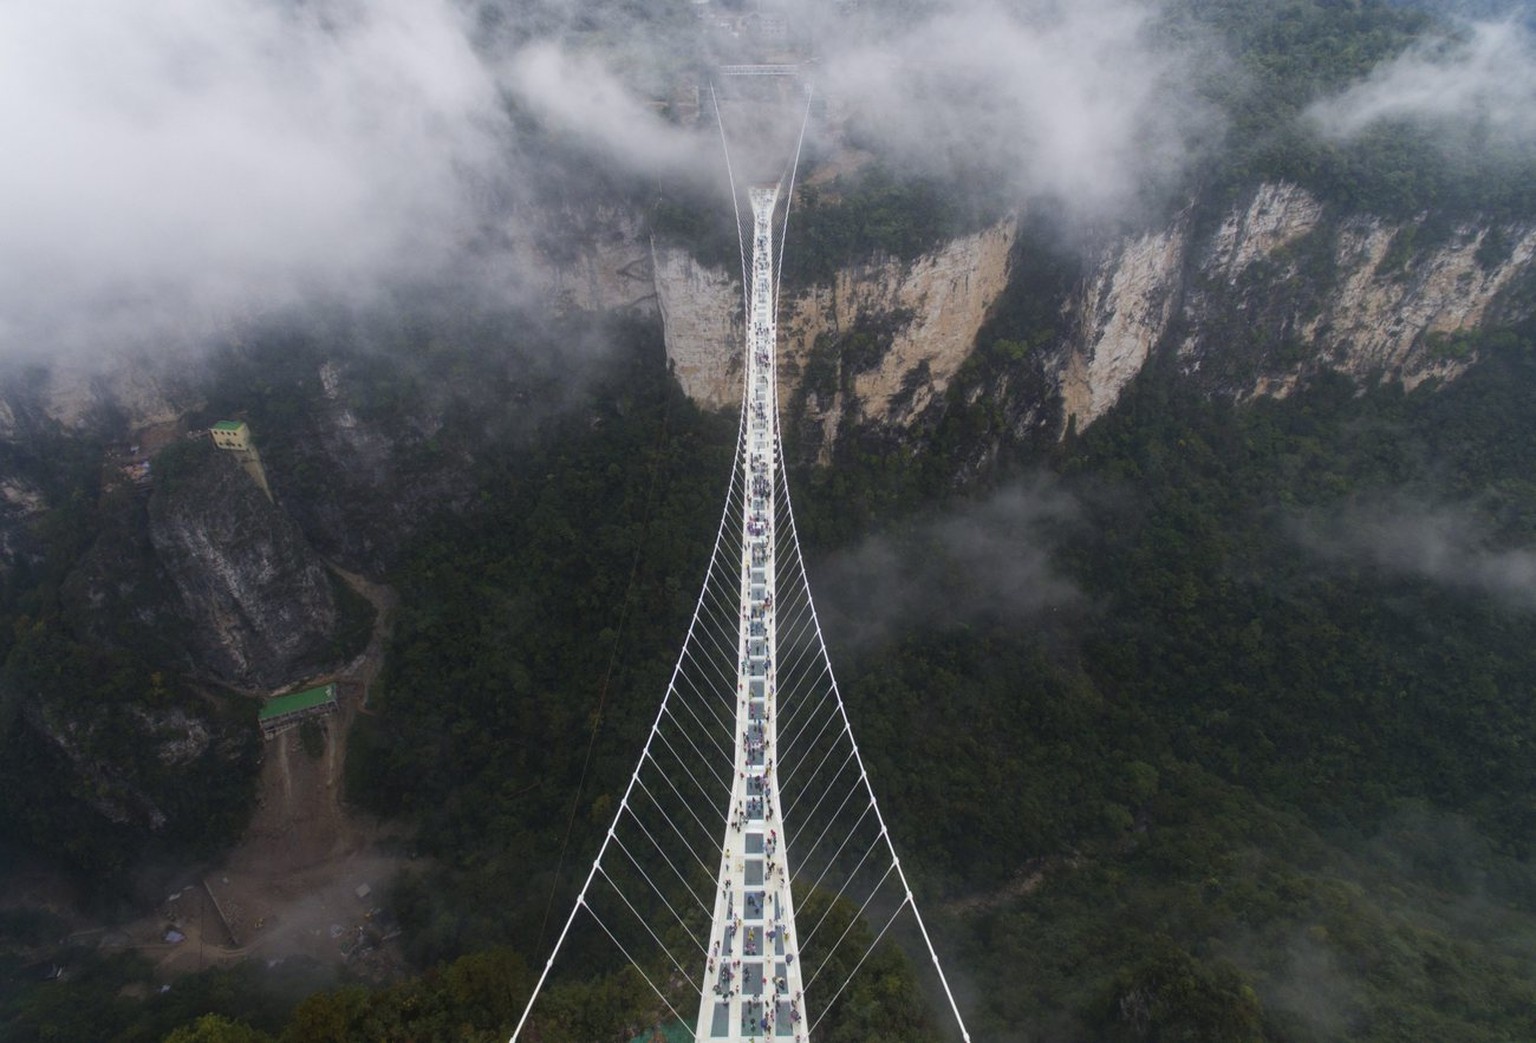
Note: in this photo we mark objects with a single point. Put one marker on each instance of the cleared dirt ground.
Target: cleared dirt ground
(292, 885)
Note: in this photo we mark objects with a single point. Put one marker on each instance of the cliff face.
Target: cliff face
(596, 259)
(1273, 288)
(1120, 315)
(106, 391)
(1281, 288)
(1251, 300)
(923, 313)
(701, 315)
(921, 316)
(260, 606)
(173, 746)
(357, 485)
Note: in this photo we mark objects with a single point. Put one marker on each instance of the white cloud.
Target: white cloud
(172, 159)
(1085, 102)
(577, 93)
(1447, 545)
(175, 165)
(1480, 87)
(984, 561)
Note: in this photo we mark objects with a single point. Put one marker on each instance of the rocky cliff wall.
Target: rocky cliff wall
(1251, 300)
(701, 315)
(145, 793)
(359, 486)
(929, 309)
(1281, 288)
(260, 606)
(1273, 288)
(111, 391)
(593, 260)
(1120, 316)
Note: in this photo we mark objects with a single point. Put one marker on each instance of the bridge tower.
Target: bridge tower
(752, 983)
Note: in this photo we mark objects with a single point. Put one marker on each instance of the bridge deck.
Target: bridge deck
(752, 985)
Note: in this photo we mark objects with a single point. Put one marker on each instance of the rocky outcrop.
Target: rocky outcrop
(1271, 290)
(701, 315)
(260, 604)
(108, 392)
(20, 501)
(1279, 289)
(941, 299)
(1382, 317)
(359, 482)
(1250, 300)
(105, 754)
(593, 260)
(168, 737)
(1277, 216)
(1120, 316)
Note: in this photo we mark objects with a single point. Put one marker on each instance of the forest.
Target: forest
(1265, 789)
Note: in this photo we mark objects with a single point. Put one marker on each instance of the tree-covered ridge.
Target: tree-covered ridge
(1241, 787)
(1253, 744)
(1287, 57)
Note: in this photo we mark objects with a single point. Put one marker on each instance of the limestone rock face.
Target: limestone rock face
(1287, 290)
(1277, 215)
(1380, 318)
(701, 315)
(260, 605)
(176, 739)
(1274, 289)
(1280, 289)
(1250, 300)
(112, 390)
(594, 260)
(939, 301)
(1121, 316)
(929, 310)
(355, 488)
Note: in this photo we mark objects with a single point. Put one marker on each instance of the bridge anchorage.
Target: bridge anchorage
(748, 874)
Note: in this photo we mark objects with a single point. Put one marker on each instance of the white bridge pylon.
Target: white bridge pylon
(748, 874)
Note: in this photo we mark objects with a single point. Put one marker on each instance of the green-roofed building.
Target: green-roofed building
(235, 437)
(286, 711)
(231, 434)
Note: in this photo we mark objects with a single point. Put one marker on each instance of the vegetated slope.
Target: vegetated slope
(106, 751)
(1266, 775)
(1244, 778)
(1247, 779)
(1234, 759)
(553, 611)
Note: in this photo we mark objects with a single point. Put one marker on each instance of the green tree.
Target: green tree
(214, 1028)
